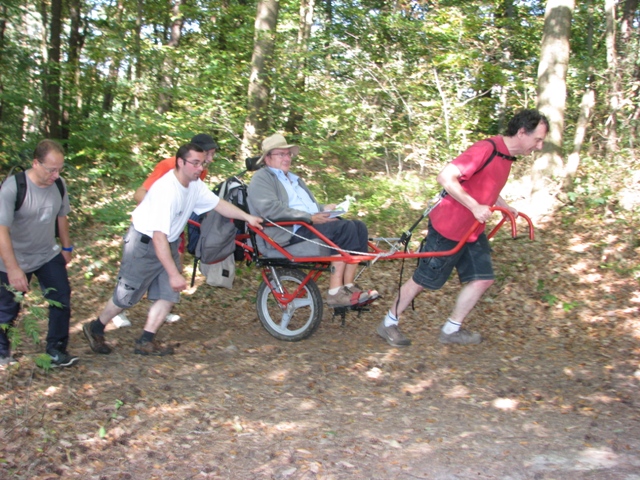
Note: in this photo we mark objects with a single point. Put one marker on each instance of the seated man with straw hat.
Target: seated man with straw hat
(276, 193)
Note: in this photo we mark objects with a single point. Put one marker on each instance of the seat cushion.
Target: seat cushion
(302, 249)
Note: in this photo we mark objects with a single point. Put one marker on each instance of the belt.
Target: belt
(145, 238)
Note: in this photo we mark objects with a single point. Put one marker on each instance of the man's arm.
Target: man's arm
(501, 202)
(65, 239)
(139, 195)
(17, 278)
(229, 210)
(163, 252)
(449, 178)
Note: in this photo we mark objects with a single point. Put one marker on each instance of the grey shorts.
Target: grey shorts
(141, 272)
(473, 261)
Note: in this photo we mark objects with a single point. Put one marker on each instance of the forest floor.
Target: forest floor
(552, 392)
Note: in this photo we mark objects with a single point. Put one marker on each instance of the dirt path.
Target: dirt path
(552, 393)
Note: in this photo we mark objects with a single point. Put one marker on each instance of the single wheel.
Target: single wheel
(299, 318)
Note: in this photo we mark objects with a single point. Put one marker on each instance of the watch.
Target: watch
(70, 249)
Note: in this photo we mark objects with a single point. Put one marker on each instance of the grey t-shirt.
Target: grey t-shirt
(32, 228)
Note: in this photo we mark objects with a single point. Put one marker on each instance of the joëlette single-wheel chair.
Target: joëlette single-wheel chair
(289, 303)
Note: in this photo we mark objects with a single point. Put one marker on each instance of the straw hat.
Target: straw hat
(277, 141)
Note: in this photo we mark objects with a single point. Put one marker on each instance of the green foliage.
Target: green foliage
(27, 324)
(379, 97)
(545, 295)
(102, 431)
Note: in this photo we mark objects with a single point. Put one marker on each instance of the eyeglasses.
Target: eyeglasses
(195, 164)
(51, 171)
(287, 154)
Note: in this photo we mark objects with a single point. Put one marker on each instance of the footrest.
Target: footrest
(342, 311)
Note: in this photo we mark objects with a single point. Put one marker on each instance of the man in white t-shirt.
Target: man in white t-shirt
(150, 260)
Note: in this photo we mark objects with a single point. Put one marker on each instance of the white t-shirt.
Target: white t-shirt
(167, 206)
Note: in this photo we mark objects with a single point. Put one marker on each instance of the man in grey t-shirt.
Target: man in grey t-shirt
(28, 246)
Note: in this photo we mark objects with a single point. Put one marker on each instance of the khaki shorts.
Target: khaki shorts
(141, 272)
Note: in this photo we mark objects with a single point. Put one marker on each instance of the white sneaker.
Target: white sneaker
(172, 318)
(121, 320)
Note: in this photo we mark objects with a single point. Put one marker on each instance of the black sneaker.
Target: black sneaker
(96, 342)
(61, 359)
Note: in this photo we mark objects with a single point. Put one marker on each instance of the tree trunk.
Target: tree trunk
(626, 23)
(328, 29)
(611, 126)
(629, 72)
(257, 121)
(165, 98)
(52, 74)
(76, 41)
(508, 12)
(304, 33)
(586, 108)
(3, 26)
(552, 93)
(138, 58)
(114, 67)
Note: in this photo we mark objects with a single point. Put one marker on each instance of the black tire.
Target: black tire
(301, 317)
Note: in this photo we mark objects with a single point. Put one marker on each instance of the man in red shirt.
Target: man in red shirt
(473, 185)
(210, 147)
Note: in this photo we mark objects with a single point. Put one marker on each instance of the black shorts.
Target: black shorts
(473, 261)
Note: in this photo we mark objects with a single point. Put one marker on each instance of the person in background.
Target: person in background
(210, 147)
(473, 186)
(28, 247)
(150, 261)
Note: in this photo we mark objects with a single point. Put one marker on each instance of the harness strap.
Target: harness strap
(21, 194)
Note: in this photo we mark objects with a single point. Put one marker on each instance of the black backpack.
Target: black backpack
(21, 181)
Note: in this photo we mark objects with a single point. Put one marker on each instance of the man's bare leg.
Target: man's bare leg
(388, 328)
(467, 299)
(110, 310)
(408, 292)
(157, 314)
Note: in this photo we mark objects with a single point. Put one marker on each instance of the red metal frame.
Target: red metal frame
(377, 253)
(285, 298)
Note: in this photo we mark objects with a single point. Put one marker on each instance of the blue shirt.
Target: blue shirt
(298, 197)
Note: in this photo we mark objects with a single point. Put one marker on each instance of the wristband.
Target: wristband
(70, 249)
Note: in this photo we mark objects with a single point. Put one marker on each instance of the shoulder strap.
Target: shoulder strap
(495, 152)
(493, 155)
(21, 181)
(60, 186)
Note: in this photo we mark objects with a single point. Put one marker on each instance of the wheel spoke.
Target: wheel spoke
(301, 302)
(284, 322)
(300, 316)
